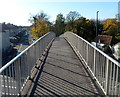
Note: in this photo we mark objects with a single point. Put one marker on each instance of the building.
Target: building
(4, 42)
(4, 34)
(116, 51)
(102, 41)
(13, 30)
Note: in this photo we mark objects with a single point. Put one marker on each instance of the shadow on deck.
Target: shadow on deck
(63, 74)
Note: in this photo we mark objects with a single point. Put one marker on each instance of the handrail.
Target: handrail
(15, 58)
(14, 75)
(110, 58)
(104, 69)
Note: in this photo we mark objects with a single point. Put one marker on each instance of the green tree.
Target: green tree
(84, 28)
(59, 24)
(71, 17)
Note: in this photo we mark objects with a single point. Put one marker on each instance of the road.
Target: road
(23, 43)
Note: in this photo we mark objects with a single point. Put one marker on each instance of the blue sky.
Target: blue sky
(18, 11)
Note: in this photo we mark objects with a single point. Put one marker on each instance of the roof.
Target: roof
(4, 27)
(105, 39)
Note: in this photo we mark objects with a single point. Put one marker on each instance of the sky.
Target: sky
(19, 11)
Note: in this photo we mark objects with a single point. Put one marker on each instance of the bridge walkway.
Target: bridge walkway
(63, 73)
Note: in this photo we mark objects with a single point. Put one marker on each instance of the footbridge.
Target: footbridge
(63, 66)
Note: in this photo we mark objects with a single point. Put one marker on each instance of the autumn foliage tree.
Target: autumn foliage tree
(40, 25)
(80, 25)
(111, 27)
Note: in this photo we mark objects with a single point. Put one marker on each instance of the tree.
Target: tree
(59, 24)
(71, 17)
(40, 25)
(118, 32)
(84, 28)
(112, 27)
(40, 15)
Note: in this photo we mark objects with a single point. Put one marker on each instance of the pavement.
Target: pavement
(63, 74)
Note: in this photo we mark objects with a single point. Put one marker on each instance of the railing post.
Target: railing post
(87, 54)
(28, 61)
(107, 77)
(0, 85)
(18, 76)
(94, 64)
(13, 74)
(106, 74)
(116, 83)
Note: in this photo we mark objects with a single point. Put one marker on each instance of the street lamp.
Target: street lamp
(96, 27)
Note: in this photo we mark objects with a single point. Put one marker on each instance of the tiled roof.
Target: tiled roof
(7, 27)
(105, 39)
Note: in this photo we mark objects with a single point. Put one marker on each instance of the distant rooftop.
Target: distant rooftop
(104, 39)
(8, 26)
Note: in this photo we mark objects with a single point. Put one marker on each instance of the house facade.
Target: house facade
(4, 41)
(116, 51)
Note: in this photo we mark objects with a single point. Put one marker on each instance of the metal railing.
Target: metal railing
(14, 75)
(103, 68)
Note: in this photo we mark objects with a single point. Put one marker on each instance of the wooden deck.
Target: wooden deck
(63, 74)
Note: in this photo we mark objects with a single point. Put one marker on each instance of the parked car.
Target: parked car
(13, 39)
